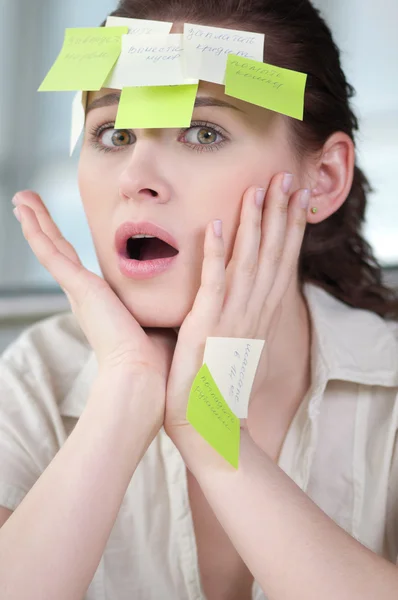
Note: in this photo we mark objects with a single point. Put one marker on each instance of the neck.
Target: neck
(283, 375)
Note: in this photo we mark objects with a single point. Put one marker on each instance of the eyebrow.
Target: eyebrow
(201, 101)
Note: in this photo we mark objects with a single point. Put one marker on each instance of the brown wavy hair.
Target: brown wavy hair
(335, 255)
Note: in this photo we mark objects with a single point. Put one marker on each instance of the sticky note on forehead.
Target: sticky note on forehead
(139, 27)
(233, 364)
(149, 60)
(207, 50)
(211, 416)
(79, 106)
(86, 59)
(274, 88)
(156, 107)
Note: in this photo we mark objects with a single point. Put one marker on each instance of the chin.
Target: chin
(155, 310)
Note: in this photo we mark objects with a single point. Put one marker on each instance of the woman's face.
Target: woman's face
(180, 180)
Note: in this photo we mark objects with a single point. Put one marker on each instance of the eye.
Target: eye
(108, 139)
(116, 137)
(203, 135)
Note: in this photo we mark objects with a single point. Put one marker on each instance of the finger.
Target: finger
(242, 268)
(33, 200)
(100, 313)
(296, 224)
(61, 267)
(207, 308)
(272, 238)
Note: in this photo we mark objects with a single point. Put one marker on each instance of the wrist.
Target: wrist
(129, 401)
(199, 456)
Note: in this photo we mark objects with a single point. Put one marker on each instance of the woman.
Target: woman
(107, 502)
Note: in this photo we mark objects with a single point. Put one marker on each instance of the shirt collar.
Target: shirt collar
(347, 344)
(351, 344)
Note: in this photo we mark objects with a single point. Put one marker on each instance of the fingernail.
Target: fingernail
(17, 214)
(260, 195)
(305, 198)
(287, 183)
(217, 226)
(16, 200)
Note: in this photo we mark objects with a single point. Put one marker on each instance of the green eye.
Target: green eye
(200, 135)
(206, 136)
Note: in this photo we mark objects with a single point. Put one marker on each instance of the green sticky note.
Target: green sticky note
(86, 59)
(211, 416)
(277, 89)
(156, 106)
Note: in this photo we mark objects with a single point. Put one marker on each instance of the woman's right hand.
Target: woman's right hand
(117, 339)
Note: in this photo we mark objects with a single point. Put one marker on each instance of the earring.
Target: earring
(314, 210)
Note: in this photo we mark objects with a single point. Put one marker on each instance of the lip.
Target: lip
(135, 269)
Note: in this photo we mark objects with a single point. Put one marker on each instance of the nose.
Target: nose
(143, 176)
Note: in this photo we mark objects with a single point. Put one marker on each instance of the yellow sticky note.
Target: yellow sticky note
(86, 59)
(211, 416)
(156, 107)
(277, 89)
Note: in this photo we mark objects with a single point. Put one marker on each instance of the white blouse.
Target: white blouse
(341, 447)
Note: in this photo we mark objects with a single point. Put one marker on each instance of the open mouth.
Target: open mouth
(143, 247)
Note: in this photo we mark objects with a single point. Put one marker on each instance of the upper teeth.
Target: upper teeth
(136, 237)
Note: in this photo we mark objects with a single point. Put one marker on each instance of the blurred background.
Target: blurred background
(35, 129)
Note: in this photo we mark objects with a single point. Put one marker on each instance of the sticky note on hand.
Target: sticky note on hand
(206, 50)
(148, 60)
(156, 107)
(86, 59)
(211, 416)
(277, 89)
(233, 364)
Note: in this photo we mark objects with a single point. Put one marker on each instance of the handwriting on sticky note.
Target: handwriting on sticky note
(149, 61)
(211, 416)
(156, 107)
(207, 49)
(156, 53)
(139, 27)
(274, 88)
(238, 372)
(233, 364)
(86, 59)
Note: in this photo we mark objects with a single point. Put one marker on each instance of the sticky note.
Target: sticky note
(86, 59)
(206, 50)
(139, 27)
(275, 88)
(233, 364)
(211, 416)
(156, 107)
(79, 106)
(148, 60)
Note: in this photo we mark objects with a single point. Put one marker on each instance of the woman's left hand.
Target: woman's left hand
(240, 300)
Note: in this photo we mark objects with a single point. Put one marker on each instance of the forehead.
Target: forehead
(205, 88)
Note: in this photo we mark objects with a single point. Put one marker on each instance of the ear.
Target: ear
(331, 176)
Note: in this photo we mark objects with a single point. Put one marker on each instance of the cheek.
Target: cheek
(220, 196)
(96, 184)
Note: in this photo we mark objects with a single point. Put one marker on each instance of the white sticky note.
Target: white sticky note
(139, 26)
(206, 50)
(233, 363)
(79, 106)
(149, 60)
